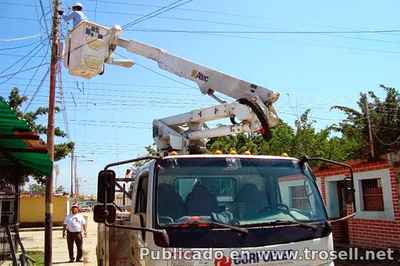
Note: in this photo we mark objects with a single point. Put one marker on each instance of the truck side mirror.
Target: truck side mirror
(102, 214)
(348, 190)
(348, 184)
(106, 186)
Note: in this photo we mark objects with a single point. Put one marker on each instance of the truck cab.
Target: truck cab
(242, 209)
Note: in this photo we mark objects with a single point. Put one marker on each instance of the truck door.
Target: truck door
(139, 217)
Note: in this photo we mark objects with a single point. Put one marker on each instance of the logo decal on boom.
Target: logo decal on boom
(198, 75)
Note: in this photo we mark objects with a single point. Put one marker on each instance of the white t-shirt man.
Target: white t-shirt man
(74, 222)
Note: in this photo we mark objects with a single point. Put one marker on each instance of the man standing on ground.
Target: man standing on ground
(75, 224)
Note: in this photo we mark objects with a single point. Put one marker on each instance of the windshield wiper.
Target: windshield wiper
(277, 222)
(201, 224)
(286, 210)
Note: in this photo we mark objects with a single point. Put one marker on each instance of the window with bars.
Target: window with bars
(299, 198)
(372, 194)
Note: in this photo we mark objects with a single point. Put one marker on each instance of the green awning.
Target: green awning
(20, 146)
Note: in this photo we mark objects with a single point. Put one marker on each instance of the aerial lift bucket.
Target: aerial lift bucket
(88, 47)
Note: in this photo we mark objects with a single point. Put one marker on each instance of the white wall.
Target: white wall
(383, 174)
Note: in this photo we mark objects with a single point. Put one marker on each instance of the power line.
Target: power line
(34, 73)
(38, 46)
(237, 36)
(143, 18)
(175, 18)
(270, 32)
(156, 12)
(19, 55)
(16, 4)
(44, 18)
(207, 11)
(63, 106)
(158, 73)
(24, 70)
(17, 47)
(397, 140)
(212, 22)
(37, 90)
(18, 18)
(23, 65)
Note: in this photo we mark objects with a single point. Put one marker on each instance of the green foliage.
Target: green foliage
(61, 150)
(37, 256)
(347, 140)
(151, 150)
(37, 188)
(301, 140)
(385, 123)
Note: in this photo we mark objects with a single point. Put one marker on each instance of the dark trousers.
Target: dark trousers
(77, 239)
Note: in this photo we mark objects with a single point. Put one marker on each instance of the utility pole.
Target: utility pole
(76, 177)
(72, 174)
(50, 136)
(371, 139)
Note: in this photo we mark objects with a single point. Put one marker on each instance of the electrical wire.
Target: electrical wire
(95, 11)
(36, 48)
(17, 47)
(18, 18)
(23, 38)
(397, 140)
(37, 90)
(35, 73)
(143, 18)
(156, 12)
(159, 73)
(62, 100)
(23, 70)
(270, 32)
(44, 18)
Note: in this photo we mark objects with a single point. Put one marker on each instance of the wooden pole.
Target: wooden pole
(371, 139)
(50, 136)
(72, 174)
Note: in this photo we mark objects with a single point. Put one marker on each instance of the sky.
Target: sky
(109, 117)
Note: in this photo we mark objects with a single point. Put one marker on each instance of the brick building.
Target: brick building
(377, 186)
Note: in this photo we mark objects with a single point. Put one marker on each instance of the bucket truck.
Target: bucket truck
(190, 208)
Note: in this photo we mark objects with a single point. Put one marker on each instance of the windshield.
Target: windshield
(236, 191)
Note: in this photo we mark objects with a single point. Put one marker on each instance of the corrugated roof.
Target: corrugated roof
(19, 145)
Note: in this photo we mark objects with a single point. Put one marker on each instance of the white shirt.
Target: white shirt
(76, 16)
(74, 222)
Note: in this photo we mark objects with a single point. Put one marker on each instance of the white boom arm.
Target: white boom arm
(90, 45)
(187, 132)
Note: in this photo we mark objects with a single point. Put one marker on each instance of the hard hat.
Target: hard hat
(77, 4)
(233, 152)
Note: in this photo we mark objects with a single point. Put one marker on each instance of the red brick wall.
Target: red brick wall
(363, 232)
(339, 232)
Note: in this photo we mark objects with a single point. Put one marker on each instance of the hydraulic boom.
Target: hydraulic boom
(90, 46)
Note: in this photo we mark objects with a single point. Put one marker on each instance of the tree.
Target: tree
(61, 150)
(37, 188)
(385, 123)
(301, 140)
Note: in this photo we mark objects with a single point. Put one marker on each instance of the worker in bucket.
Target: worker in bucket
(76, 15)
(75, 225)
